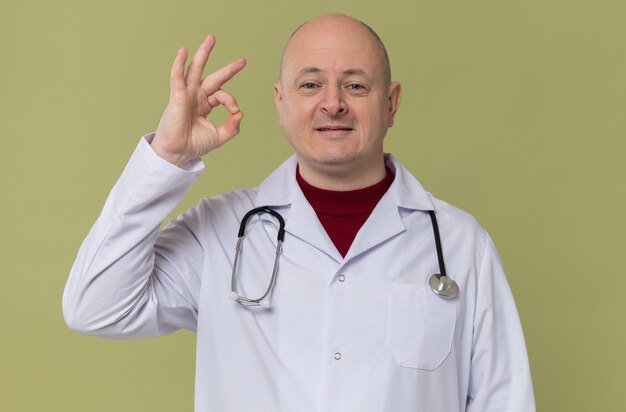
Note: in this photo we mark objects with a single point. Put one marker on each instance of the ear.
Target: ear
(278, 98)
(395, 96)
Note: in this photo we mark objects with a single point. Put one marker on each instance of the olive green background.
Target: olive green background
(513, 111)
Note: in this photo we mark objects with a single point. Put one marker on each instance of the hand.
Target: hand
(184, 132)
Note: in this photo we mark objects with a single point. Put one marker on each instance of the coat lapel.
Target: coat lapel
(281, 191)
(386, 220)
(384, 223)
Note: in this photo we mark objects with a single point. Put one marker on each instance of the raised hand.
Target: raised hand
(184, 132)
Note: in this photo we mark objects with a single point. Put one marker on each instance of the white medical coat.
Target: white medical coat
(360, 333)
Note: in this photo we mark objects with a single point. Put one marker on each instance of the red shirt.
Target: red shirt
(343, 213)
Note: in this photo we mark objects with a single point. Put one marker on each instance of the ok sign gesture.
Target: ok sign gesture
(184, 132)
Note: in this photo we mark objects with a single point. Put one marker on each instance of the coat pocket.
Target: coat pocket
(420, 326)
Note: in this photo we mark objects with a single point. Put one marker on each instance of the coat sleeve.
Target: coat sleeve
(500, 377)
(129, 279)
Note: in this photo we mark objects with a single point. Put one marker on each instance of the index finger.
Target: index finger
(218, 78)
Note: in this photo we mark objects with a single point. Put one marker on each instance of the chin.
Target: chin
(334, 159)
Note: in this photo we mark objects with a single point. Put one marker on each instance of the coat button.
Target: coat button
(337, 356)
(341, 278)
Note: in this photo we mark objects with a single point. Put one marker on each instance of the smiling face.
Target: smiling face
(335, 102)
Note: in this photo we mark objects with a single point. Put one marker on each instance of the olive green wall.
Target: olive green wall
(513, 111)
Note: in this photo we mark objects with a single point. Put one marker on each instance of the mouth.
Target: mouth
(334, 129)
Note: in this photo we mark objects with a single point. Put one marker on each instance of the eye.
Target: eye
(308, 85)
(355, 86)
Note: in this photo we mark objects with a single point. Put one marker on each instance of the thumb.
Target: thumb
(230, 128)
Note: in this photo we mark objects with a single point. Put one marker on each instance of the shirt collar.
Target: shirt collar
(280, 187)
(407, 190)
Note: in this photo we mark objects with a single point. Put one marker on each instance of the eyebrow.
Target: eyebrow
(348, 72)
(358, 72)
(308, 70)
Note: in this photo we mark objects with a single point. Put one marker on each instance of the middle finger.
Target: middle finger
(218, 78)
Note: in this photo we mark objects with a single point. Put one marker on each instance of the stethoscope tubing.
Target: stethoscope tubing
(440, 283)
(263, 300)
(442, 266)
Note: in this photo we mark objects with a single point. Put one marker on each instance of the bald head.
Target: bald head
(335, 23)
(335, 102)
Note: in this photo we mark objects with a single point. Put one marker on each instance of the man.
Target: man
(350, 323)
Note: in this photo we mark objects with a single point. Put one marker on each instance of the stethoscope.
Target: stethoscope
(440, 283)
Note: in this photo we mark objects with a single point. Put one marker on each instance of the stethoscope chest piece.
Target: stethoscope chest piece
(443, 286)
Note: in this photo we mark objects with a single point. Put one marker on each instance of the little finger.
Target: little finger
(177, 75)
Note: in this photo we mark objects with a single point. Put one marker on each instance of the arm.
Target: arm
(500, 375)
(115, 288)
(128, 279)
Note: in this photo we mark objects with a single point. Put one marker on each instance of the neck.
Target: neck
(341, 178)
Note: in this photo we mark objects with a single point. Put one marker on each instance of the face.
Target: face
(334, 99)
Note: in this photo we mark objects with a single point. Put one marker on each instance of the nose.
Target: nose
(333, 103)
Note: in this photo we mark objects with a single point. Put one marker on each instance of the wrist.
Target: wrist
(167, 154)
